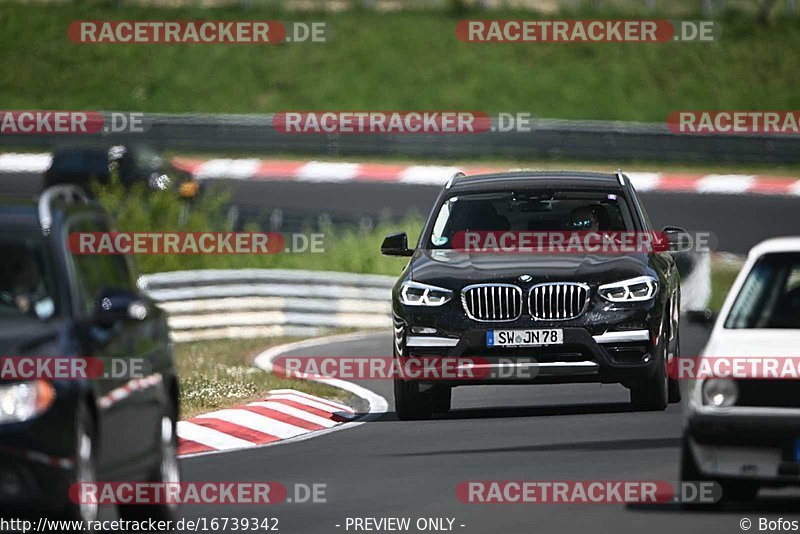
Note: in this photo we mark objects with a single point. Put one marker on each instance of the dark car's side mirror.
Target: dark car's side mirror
(679, 240)
(116, 306)
(396, 245)
(704, 317)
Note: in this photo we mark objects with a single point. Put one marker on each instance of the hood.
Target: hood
(753, 342)
(441, 267)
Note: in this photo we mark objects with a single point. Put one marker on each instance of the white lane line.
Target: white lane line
(314, 404)
(236, 169)
(333, 403)
(725, 183)
(25, 162)
(320, 171)
(295, 412)
(644, 181)
(256, 421)
(210, 437)
(427, 174)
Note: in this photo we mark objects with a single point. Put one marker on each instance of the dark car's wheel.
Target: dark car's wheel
(652, 393)
(442, 399)
(410, 403)
(674, 384)
(85, 469)
(167, 472)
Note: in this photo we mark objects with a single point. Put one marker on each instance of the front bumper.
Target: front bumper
(609, 357)
(750, 443)
(37, 458)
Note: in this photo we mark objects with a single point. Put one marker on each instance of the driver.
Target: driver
(583, 219)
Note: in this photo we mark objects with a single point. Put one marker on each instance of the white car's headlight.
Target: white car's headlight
(416, 294)
(720, 392)
(22, 401)
(634, 290)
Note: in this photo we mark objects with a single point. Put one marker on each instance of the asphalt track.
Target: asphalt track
(738, 221)
(392, 468)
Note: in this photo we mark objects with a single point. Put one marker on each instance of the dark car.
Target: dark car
(565, 318)
(81, 164)
(118, 423)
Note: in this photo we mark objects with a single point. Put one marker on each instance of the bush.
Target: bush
(141, 210)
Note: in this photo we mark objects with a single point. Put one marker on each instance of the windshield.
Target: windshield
(530, 211)
(770, 295)
(25, 288)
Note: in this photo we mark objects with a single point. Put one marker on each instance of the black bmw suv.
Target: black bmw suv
(116, 421)
(542, 318)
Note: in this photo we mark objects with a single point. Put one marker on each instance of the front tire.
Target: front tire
(409, 403)
(85, 469)
(166, 472)
(652, 393)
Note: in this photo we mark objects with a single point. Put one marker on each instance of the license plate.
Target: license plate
(525, 338)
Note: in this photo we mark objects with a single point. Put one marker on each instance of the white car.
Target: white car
(745, 433)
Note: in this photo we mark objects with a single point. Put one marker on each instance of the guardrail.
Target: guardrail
(214, 304)
(546, 139)
(217, 304)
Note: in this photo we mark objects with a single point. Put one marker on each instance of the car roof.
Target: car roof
(542, 179)
(776, 244)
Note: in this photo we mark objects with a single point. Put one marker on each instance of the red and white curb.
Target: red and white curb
(285, 415)
(436, 175)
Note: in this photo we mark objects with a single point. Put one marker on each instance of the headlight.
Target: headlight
(633, 290)
(20, 402)
(720, 392)
(416, 294)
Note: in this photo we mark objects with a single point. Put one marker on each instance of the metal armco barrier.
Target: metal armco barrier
(242, 303)
(546, 139)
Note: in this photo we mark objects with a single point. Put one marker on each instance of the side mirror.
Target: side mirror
(679, 239)
(703, 317)
(118, 306)
(396, 245)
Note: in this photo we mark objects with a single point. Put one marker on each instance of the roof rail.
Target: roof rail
(620, 177)
(69, 193)
(452, 179)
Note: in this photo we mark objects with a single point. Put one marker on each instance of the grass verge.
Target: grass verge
(220, 374)
(391, 61)
(723, 273)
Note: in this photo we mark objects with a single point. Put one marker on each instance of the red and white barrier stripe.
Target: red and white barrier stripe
(435, 175)
(283, 414)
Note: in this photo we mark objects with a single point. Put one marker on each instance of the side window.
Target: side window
(97, 274)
